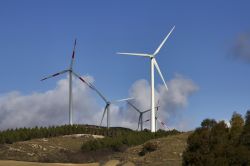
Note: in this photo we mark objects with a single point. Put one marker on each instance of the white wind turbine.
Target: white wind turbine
(153, 64)
(108, 103)
(140, 120)
(70, 71)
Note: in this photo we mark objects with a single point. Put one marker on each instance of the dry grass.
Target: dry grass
(169, 152)
(55, 149)
(67, 149)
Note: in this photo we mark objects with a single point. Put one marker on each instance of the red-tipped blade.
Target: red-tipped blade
(55, 74)
(81, 79)
(73, 54)
(163, 124)
(64, 71)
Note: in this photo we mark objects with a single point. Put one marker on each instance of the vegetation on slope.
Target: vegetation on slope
(23, 134)
(51, 146)
(168, 151)
(121, 141)
(214, 143)
(66, 149)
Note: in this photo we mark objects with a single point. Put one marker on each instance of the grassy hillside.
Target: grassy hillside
(68, 149)
(169, 152)
(57, 149)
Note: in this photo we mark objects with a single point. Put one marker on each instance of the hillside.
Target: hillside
(67, 149)
(169, 152)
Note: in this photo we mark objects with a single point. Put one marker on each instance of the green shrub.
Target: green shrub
(214, 143)
(92, 146)
(148, 147)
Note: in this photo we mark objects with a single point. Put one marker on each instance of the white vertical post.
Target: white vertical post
(108, 116)
(152, 98)
(70, 98)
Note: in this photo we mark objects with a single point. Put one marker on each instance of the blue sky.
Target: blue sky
(36, 39)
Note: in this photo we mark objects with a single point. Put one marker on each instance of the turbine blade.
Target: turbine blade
(162, 43)
(73, 55)
(83, 80)
(120, 100)
(135, 54)
(91, 86)
(162, 123)
(149, 109)
(105, 109)
(159, 71)
(54, 75)
(133, 106)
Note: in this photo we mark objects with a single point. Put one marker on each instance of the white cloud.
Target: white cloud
(47, 108)
(171, 101)
(241, 47)
(51, 107)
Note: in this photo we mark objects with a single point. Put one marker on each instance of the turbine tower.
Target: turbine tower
(70, 71)
(153, 64)
(108, 103)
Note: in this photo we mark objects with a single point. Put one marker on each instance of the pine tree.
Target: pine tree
(245, 136)
(208, 123)
(237, 123)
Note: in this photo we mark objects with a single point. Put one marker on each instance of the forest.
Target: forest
(116, 138)
(23, 134)
(216, 143)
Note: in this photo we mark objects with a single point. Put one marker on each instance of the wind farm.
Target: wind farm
(73, 130)
(124, 83)
(107, 102)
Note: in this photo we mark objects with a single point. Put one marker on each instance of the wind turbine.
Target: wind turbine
(161, 122)
(108, 103)
(70, 71)
(153, 64)
(107, 109)
(140, 120)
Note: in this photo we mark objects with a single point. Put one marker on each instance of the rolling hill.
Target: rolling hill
(67, 149)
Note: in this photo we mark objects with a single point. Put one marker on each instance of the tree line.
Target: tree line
(123, 140)
(23, 134)
(216, 143)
